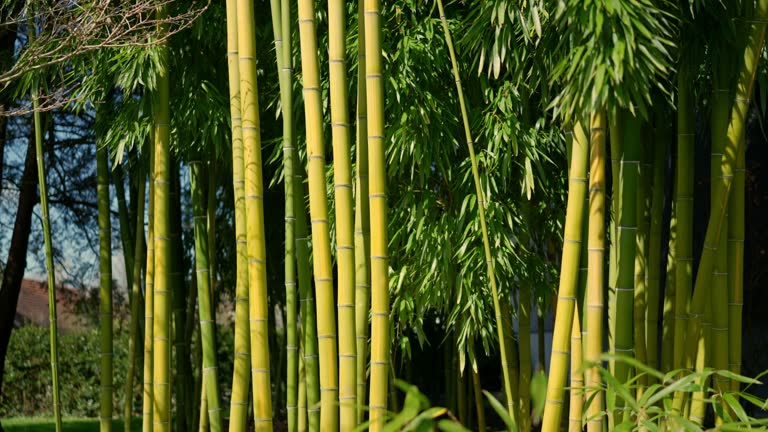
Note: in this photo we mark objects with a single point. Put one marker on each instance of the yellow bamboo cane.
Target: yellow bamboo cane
(345, 250)
(149, 289)
(362, 223)
(254, 209)
(569, 278)
(241, 375)
(161, 333)
(596, 272)
(318, 209)
(380, 328)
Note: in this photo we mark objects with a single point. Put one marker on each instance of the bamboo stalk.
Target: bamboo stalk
(736, 128)
(345, 251)
(318, 208)
(568, 287)
(105, 288)
(641, 256)
(149, 278)
(241, 375)
(380, 327)
(205, 306)
(281, 28)
(254, 207)
(596, 254)
(362, 223)
(683, 212)
(182, 375)
(481, 200)
(736, 265)
(719, 294)
(136, 292)
(46, 222)
(660, 148)
(576, 399)
(669, 313)
(161, 333)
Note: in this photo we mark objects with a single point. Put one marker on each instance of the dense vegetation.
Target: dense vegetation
(557, 175)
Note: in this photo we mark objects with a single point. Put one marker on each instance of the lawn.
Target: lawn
(36, 424)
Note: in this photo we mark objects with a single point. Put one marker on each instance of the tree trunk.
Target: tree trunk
(16, 263)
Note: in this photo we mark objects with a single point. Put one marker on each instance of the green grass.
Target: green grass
(39, 424)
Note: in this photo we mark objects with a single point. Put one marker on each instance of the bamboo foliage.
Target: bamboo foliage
(318, 209)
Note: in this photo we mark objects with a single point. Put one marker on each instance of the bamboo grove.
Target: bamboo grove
(555, 177)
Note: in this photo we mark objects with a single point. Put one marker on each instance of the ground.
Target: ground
(70, 425)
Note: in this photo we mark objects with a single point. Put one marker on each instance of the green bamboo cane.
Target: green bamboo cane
(513, 356)
(281, 19)
(149, 277)
(380, 327)
(241, 375)
(660, 148)
(481, 199)
(719, 295)
(628, 144)
(734, 143)
(670, 294)
(684, 212)
(736, 265)
(307, 307)
(205, 307)
(568, 287)
(254, 207)
(525, 367)
(345, 250)
(301, 402)
(182, 375)
(318, 208)
(596, 273)
(52, 316)
(286, 75)
(362, 223)
(105, 290)
(162, 296)
(641, 256)
(136, 293)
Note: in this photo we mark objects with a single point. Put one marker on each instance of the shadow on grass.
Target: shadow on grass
(70, 425)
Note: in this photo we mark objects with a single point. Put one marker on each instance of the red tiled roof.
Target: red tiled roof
(33, 305)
